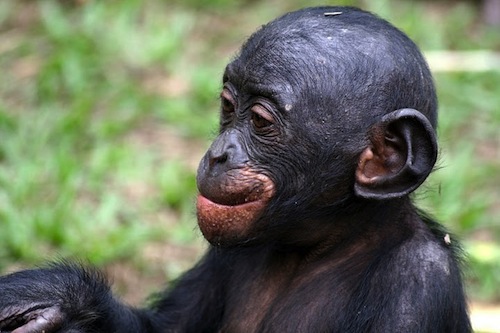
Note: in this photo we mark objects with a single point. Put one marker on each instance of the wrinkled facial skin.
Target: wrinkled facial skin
(259, 160)
(261, 165)
(233, 191)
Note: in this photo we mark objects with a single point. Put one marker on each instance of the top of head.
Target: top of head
(337, 75)
(367, 66)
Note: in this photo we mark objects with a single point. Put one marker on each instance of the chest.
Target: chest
(278, 301)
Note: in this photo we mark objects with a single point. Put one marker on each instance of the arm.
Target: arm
(65, 297)
(196, 303)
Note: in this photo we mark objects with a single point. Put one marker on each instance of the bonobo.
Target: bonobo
(327, 124)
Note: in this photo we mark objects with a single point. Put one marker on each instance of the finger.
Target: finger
(43, 320)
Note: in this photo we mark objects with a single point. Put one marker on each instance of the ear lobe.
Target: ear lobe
(402, 154)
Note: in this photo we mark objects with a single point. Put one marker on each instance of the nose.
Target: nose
(227, 151)
(217, 156)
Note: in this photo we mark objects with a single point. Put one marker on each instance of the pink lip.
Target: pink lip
(205, 201)
(229, 222)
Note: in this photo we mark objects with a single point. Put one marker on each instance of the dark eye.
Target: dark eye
(227, 102)
(261, 118)
(227, 107)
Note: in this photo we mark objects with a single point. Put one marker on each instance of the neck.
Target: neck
(373, 222)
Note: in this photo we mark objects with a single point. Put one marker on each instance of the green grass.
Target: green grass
(464, 192)
(105, 106)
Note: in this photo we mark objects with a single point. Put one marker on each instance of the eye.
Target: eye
(227, 107)
(261, 118)
(227, 101)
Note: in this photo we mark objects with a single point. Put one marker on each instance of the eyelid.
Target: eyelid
(227, 95)
(262, 111)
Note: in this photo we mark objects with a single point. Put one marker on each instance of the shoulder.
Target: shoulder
(427, 255)
(422, 279)
(423, 269)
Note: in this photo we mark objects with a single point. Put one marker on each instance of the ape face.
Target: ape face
(308, 123)
(261, 156)
(235, 187)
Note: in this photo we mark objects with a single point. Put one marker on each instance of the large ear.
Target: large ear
(402, 153)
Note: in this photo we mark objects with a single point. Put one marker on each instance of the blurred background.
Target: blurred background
(107, 106)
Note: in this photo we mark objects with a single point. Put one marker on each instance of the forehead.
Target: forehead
(277, 65)
(308, 46)
(259, 78)
(342, 63)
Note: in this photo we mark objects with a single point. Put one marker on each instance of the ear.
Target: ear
(402, 153)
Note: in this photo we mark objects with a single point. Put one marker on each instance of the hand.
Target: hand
(59, 298)
(33, 319)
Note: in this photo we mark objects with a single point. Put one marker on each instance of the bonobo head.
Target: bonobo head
(324, 108)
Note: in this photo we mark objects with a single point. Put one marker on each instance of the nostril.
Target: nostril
(223, 158)
(218, 159)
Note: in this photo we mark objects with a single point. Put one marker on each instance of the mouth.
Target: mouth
(227, 221)
(229, 207)
(206, 204)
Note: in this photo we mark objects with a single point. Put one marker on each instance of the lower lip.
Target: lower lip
(225, 221)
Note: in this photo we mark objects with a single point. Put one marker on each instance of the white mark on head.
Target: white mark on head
(333, 13)
(447, 239)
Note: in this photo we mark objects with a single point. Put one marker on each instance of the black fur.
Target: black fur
(332, 251)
